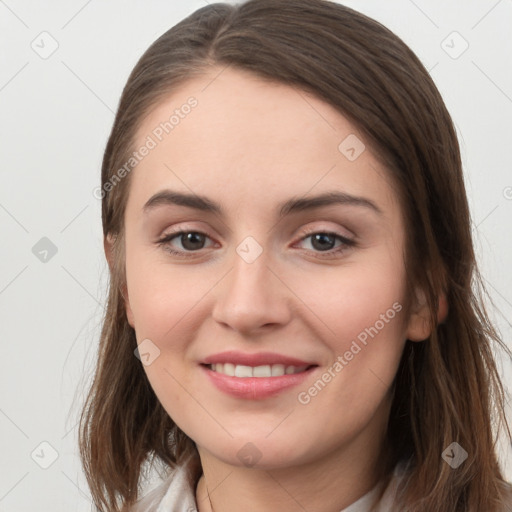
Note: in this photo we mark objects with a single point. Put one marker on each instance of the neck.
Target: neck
(341, 477)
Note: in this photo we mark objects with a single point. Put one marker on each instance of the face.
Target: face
(314, 289)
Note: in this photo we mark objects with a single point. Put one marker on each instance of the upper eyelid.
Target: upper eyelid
(306, 231)
(310, 231)
(185, 229)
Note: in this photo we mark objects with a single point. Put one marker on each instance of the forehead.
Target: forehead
(233, 133)
(250, 110)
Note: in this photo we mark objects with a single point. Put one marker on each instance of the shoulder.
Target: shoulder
(399, 482)
(383, 497)
(396, 486)
(507, 493)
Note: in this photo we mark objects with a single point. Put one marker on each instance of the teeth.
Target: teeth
(275, 370)
(229, 369)
(261, 371)
(242, 371)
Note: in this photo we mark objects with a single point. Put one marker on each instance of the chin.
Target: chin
(261, 452)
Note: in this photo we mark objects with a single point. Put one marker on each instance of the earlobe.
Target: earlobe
(419, 327)
(127, 307)
(129, 312)
(108, 247)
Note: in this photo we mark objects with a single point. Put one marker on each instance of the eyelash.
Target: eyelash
(346, 242)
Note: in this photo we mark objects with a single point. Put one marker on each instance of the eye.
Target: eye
(324, 242)
(191, 241)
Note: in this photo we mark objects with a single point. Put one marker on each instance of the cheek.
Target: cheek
(163, 307)
(361, 321)
(347, 300)
(162, 298)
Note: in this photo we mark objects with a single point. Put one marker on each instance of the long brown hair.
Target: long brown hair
(447, 388)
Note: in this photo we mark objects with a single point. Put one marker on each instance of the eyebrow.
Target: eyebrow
(293, 205)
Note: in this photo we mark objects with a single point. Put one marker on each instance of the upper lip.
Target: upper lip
(257, 359)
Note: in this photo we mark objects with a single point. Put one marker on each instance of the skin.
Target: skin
(250, 145)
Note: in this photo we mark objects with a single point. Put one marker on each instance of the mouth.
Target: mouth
(263, 371)
(256, 382)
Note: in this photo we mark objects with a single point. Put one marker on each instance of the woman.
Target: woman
(321, 348)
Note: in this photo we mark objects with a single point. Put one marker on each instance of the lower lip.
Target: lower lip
(256, 388)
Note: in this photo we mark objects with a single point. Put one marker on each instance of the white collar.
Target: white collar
(177, 493)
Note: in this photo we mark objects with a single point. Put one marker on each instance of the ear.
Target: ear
(419, 326)
(108, 246)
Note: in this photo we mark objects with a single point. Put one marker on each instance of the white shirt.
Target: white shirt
(177, 494)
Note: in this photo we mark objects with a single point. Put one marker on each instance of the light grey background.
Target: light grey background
(56, 114)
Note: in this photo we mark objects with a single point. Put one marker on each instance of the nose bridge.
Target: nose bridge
(250, 295)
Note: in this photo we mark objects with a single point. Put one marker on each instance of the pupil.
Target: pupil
(319, 241)
(189, 239)
(322, 238)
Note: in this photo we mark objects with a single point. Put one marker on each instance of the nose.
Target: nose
(252, 296)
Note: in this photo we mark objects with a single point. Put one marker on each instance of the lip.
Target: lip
(255, 388)
(256, 359)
